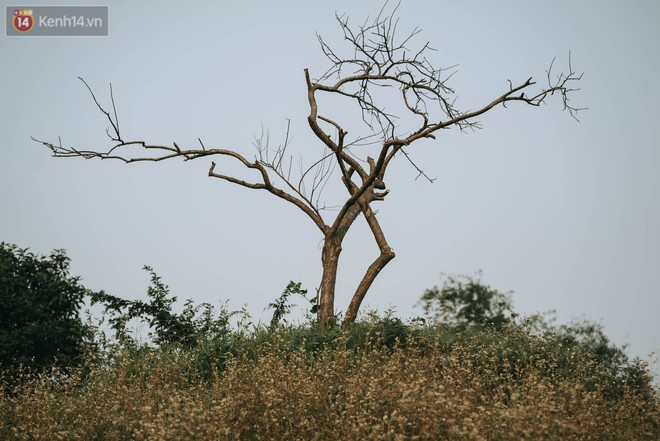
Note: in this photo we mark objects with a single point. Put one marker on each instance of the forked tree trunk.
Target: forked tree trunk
(330, 259)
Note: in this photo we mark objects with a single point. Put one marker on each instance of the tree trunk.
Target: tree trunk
(330, 261)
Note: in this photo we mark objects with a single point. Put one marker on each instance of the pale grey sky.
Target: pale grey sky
(564, 214)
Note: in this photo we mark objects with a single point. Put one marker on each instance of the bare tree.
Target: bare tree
(376, 58)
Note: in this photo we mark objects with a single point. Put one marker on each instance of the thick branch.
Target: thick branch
(323, 136)
(385, 256)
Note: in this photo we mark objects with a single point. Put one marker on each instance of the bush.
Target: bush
(39, 318)
(466, 301)
(195, 323)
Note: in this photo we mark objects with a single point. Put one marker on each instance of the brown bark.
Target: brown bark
(386, 254)
(330, 261)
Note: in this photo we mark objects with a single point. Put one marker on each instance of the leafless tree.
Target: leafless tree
(376, 58)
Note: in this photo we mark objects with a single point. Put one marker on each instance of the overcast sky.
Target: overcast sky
(564, 214)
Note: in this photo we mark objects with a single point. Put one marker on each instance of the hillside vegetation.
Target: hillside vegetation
(470, 369)
(378, 380)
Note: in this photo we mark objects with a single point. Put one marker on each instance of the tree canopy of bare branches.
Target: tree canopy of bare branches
(373, 56)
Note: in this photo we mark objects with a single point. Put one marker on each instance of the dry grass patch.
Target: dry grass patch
(466, 390)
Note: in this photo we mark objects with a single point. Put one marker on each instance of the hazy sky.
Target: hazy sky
(564, 214)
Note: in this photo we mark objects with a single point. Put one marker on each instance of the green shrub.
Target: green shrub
(466, 301)
(40, 323)
(167, 327)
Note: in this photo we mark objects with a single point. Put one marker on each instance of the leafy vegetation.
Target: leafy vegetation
(281, 307)
(464, 301)
(306, 383)
(460, 373)
(168, 327)
(39, 317)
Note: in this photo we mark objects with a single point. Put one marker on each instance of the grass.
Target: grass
(379, 380)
